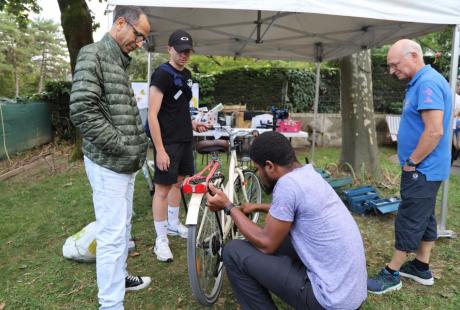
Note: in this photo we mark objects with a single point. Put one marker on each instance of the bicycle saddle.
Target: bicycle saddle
(209, 146)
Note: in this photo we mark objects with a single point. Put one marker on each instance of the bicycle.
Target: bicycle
(148, 170)
(209, 231)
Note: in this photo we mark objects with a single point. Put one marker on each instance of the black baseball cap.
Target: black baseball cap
(181, 41)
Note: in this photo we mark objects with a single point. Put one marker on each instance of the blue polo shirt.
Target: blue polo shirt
(427, 90)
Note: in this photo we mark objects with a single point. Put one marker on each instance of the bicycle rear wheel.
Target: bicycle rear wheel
(204, 256)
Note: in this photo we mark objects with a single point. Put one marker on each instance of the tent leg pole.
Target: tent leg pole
(149, 72)
(315, 112)
(442, 231)
(149, 66)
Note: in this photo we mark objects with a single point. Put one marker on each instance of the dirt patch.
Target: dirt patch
(39, 162)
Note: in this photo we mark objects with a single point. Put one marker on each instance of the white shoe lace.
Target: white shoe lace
(133, 278)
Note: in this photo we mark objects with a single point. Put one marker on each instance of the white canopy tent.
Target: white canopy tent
(304, 30)
(291, 29)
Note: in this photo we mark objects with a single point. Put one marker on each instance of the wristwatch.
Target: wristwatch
(409, 162)
(228, 207)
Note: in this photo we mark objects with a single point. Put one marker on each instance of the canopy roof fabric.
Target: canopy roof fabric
(293, 29)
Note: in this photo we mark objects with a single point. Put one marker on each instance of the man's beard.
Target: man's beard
(268, 188)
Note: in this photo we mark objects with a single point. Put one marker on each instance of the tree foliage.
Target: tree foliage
(51, 58)
(439, 44)
(77, 21)
(139, 64)
(436, 45)
(14, 45)
(30, 56)
(20, 9)
(215, 64)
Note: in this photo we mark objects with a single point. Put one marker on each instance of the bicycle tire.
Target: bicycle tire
(254, 194)
(204, 257)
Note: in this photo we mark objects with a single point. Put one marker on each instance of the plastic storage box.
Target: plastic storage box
(287, 125)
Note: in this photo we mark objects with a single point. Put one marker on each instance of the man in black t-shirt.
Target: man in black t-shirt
(171, 128)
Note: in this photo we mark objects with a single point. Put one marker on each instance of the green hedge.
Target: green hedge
(260, 89)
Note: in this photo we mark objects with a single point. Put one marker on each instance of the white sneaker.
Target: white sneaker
(131, 246)
(162, 251)
(179, 230)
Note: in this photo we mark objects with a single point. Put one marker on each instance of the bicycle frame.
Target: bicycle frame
(234, 171)
(208, 233)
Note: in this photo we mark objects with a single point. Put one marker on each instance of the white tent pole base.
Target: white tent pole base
(445, 233)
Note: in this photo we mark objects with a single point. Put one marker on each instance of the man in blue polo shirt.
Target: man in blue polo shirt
(423, 151)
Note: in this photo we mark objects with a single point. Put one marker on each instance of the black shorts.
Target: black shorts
(181, 163)
(415, 221)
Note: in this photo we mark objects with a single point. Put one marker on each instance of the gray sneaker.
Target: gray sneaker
(409, 270)
(384, 282)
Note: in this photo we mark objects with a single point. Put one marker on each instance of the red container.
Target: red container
(288, 125)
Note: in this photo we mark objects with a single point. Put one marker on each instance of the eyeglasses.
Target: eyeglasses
(393, 66)
(139, 36)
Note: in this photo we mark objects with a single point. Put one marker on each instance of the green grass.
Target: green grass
(38, 212)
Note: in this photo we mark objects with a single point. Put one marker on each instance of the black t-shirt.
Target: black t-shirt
(174, 115)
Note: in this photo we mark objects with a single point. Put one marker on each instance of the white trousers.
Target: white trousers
(113, 206)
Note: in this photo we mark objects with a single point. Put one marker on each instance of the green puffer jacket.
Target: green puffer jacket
(103, 108)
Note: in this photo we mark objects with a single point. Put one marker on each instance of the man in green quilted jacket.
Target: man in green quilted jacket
(103, 108)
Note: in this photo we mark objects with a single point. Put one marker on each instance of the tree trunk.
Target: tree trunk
(359, 139)
(76, 23)
(77, 26)
(42, 71)
(15, 74)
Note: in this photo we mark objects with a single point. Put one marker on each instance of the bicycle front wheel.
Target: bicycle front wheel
(247, 191)
(204, 256)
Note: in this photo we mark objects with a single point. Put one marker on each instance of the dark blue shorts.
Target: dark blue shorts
(181, 163)
(415, 221)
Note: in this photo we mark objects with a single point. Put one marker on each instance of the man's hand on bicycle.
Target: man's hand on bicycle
(217, 200)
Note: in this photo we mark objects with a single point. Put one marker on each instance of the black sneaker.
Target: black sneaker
(135, 283)
(409, 270)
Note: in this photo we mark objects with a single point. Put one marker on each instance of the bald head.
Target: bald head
(406, 46)
(405, 58)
